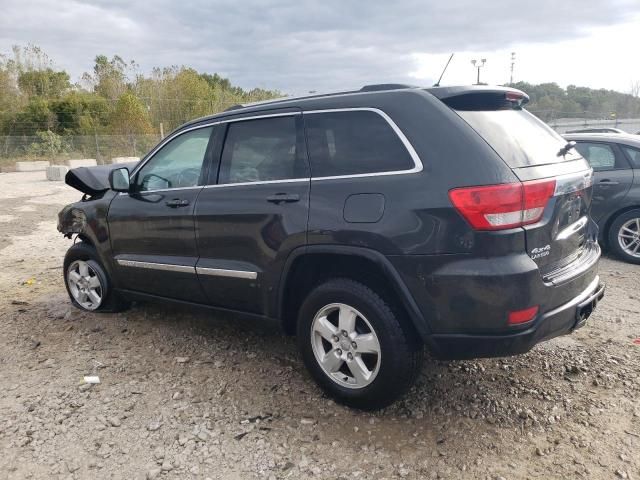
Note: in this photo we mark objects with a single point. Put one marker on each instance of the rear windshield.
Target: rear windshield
(520, 138)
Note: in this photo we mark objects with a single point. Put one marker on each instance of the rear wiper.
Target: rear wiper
(564, 150)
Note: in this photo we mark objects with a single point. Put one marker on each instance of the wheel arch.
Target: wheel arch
(330, 261)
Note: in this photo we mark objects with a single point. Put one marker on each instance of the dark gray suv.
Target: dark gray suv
(369, 223)
(616, 193)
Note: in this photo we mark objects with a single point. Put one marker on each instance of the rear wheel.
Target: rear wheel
(87, 282)
(354, 346)
(624, 236)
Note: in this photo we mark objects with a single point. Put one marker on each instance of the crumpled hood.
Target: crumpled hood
(93, 180)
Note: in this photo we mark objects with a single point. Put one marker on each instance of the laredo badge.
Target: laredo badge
(540, 252)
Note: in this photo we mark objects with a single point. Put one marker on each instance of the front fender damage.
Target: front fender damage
(71, 220)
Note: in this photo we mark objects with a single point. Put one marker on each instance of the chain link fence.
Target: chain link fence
(564, 122)
(57, 149)
(564, 125)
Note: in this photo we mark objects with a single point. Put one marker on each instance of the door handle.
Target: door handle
(177, 202)
(606, 181)
(283, 198)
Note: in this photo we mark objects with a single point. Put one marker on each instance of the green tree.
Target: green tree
(47, 144)
(9, 96)
(81, 113)
(35, 117)
(129, 119)
(130, 116)
(44, 83)
(109, 78)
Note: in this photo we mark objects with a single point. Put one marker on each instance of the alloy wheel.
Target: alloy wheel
(345, 345)
(629, 237)
(84, 285)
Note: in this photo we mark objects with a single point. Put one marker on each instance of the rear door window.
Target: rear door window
(353, 143)
(633, 154)
(520, 138)
(263, 150)
(600, 156)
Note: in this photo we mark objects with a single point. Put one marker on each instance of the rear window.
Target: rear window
(351, 143)
(634, 155)
(520, 138)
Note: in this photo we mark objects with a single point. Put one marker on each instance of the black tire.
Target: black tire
(401, 350)
(614, 230)
(111, 301)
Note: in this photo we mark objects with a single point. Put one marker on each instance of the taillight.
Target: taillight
(498, 207)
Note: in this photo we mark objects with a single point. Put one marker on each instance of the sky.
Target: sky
(298, 46)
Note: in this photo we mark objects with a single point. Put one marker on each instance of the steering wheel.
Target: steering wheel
(188, 177)
(151, 177)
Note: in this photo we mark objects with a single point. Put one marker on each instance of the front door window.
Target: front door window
(178, 164)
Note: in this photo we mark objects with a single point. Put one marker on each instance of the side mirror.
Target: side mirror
(119, 180)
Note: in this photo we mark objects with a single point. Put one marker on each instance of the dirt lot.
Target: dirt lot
(188, 394)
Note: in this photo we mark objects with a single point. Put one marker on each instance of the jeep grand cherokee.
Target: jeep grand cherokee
(369, 223)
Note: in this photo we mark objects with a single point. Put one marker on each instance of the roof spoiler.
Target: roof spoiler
(479, 97)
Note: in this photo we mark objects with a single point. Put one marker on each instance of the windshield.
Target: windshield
(520, 138)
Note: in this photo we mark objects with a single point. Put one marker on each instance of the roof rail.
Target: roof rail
(385, 86)
(367, 88)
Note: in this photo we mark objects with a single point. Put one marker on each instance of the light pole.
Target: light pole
(478, 64)
(513, 62)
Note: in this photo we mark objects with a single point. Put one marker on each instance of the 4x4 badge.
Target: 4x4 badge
(540, 252)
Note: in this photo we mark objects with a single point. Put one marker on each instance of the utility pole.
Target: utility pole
(478, 64)
(513, 62)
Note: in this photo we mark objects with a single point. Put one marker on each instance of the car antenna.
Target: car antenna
(437, 84)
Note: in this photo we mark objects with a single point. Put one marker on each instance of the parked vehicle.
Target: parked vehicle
(369, 223)
(616, 196)
(598, 130)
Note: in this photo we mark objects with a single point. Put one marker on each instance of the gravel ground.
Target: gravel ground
(190, 394)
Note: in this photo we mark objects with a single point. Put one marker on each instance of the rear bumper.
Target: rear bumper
(560, 321)
(465, 301)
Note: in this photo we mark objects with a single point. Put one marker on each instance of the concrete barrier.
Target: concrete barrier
(124, 159)
(38, 166)
(82, 162)
(56, 173)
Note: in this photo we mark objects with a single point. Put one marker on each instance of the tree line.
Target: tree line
(115, 98)
(112, 99)
(550, 102)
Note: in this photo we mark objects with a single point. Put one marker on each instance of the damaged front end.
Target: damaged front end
(87, 218)
(71, 220)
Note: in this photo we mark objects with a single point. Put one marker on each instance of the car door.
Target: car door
(152, 227)
(612, 176)
(254, 213)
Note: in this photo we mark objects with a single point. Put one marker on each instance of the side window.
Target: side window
(357, 142)
(176, 165)
(634, 155)
(601, 156)
(262, 150)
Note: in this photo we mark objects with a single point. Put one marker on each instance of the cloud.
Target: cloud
(300, 45)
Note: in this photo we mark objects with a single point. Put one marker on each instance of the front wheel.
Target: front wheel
(624, 236)
(354, 346)
(87, 282)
